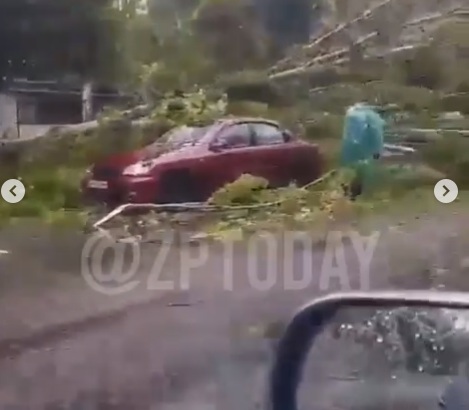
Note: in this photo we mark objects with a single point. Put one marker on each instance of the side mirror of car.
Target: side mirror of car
(287, 135)
(217, 146)
(395, 336)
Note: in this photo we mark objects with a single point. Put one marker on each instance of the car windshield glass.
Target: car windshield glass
(179, 137)
(183, 136)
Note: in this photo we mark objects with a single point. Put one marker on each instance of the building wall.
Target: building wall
(27, 112)
(8, 121)
(7, 114)
(37, 114)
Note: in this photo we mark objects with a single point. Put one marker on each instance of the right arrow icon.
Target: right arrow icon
(446, 191)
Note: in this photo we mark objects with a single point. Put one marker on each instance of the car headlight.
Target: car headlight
(140, 168)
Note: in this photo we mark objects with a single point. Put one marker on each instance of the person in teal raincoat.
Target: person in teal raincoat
(362, 143)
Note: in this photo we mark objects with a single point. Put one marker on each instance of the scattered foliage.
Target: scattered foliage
(321, 205)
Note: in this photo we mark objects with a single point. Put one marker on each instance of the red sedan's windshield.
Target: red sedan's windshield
(181, 136)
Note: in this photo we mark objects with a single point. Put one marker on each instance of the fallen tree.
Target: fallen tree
(53, 165)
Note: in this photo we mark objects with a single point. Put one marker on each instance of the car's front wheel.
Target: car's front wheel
(177, 186)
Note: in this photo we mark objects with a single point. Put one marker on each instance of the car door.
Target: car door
(272, 152)
(234, 157)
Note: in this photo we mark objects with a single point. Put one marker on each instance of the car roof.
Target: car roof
(238, 120)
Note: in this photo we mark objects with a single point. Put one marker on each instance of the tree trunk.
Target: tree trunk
(87, 101)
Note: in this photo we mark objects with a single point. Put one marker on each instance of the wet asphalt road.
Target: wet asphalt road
(189, 348)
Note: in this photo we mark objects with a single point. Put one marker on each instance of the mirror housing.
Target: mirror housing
(217, 146)
(287, 136)
(308, 323)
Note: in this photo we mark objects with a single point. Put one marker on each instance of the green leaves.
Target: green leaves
(247, 189)
(194, 109)
(293, 207)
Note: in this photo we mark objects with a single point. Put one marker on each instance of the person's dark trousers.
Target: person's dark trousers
(354, 189)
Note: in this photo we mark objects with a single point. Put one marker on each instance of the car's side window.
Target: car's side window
(236, 136)
(267, 134)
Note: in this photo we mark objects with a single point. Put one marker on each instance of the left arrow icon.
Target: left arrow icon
(13, 191)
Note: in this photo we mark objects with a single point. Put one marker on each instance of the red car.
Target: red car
(189, 164)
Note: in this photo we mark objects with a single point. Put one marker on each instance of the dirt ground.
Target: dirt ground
(64, 344)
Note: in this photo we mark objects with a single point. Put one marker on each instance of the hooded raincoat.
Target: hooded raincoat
(362, 141)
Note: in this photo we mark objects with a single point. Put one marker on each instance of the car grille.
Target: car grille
(105, 173)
